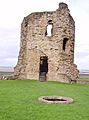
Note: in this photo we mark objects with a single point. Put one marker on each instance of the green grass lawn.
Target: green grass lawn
(19, 101)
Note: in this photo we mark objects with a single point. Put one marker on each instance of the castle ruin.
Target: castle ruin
(47, 46)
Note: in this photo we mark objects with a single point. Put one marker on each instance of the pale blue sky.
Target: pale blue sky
(11, 16)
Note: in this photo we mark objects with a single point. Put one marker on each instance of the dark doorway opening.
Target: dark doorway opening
(43, 68)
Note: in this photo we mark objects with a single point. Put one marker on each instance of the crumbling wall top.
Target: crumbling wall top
(63, 6)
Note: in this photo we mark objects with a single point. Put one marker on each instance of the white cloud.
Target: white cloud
(82, 62)
(80, 13)
(5, 62)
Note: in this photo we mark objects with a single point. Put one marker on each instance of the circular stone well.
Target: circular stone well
(55, 99)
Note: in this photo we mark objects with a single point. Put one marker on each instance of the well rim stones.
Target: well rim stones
(55, 99)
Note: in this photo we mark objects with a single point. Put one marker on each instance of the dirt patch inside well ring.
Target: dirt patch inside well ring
(55, 99)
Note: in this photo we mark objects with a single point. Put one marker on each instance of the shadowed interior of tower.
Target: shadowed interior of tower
(43, 67)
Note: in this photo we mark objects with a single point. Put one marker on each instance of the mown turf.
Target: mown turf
(19, 101)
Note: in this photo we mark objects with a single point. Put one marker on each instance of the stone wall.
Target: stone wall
(57, 48)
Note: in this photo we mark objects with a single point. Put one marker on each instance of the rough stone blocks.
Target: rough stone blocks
(47, 47)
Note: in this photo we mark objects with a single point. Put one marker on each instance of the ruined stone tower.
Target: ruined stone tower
(47, 55)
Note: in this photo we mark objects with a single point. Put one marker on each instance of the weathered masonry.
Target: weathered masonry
(47, 46)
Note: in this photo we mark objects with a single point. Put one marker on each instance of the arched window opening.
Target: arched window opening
(64, 43)
(49, 30)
